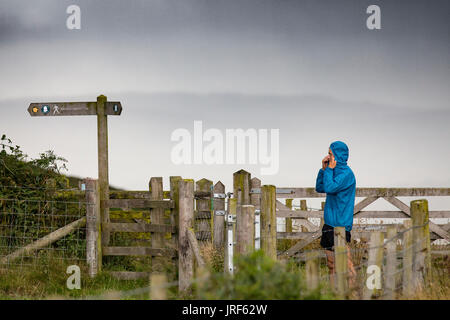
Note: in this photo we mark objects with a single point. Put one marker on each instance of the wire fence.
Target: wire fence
(25, 220)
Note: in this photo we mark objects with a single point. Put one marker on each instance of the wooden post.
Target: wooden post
(268, 221)
(288, 221)
(303, 207)
(255, 200)
(245, 221)
(372, 285)
(156, 217)
(186, 221)
(312, 270)
(174, 195)
(242, 183)
(203, 214)
(219, 217)
(103, 179)
(93, 230)
(391, 260)
(158, 281)
(421, 242)
(407, 282)
(340, 259)
(322, 220)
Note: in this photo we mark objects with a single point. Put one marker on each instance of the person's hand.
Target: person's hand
(325, 162)
(332, 163)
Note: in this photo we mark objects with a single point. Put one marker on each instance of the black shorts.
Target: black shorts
(327, 240)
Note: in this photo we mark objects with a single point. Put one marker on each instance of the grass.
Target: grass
(256, 278)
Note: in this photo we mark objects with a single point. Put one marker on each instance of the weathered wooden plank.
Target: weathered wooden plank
(141, 227)
(103, 175)
(294, 235)
(299, 245)
(363, 203)
(268, 221)
(340, 260)
(132, 194)
(129, 214)
(140, 203)
(202, 222)
(362, 192)
(242, 184)
(157, 218)
(375, 261)
(390, 267)
(195, 248)
(158, 286)
(407, 263)
(186, 221)
(93, 228)
(245, 228)
(299, 214)
(360, 214)
(405, 208)
(138, 251)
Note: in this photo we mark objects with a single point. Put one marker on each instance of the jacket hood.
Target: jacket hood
(340, 152)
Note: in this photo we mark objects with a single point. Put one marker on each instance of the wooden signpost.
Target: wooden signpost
(102, 109)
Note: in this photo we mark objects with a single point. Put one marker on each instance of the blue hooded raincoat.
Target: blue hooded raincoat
(340, 185)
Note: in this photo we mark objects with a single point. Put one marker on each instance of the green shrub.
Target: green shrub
(258, 277)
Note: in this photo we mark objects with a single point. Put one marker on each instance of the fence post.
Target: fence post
(312, 270)
(203, 214)
(421, 242)
(174, 196)
(303, 207)
(219, 217)
(241, 182)
(156, 217)
(255, 200)
(93, 228)
(245, 224)
(186, 221)
(288, 221)
(158, 282)
(322, 220)
(407, 261)
(373, 281)
(268, 221)
(340, 260)
(391, 260)
(103, 176)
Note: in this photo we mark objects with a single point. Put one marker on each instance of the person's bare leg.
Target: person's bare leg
(330, 264)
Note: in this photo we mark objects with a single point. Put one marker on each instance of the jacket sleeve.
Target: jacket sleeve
(319, 182)
(334, 184)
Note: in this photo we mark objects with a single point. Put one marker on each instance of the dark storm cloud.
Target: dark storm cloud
(286, 20)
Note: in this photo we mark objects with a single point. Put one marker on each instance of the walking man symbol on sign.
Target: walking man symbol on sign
(56, 109)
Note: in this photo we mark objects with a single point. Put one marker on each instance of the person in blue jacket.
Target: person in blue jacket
(337, 180)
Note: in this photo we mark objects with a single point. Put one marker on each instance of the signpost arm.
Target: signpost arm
(103, 179)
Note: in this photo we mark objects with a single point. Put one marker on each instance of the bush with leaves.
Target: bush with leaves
(259, 277)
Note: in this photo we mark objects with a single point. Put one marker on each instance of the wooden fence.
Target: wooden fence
(201, 211)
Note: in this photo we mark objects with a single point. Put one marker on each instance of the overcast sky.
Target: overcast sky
(309, 68)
